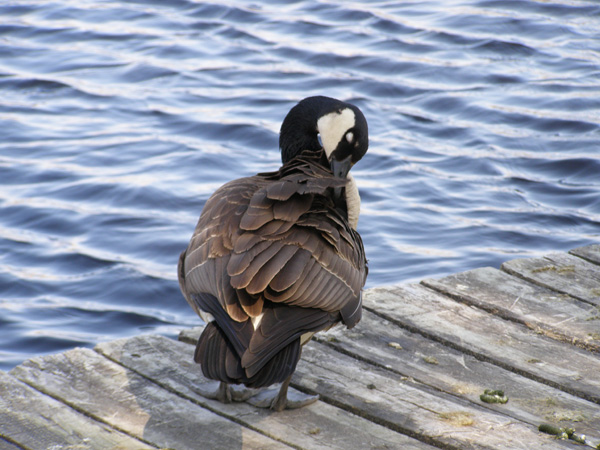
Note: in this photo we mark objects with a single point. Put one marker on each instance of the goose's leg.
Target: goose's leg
(224, 393)
(280, 401)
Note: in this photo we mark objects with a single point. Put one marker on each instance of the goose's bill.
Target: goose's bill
(340, 169)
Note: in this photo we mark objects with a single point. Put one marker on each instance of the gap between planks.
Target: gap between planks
(544, 311)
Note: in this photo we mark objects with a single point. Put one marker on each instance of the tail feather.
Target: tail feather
(213, 347)
(238, 333)
(219, 361)
(279, 368)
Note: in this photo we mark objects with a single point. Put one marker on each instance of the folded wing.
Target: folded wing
(275, 251)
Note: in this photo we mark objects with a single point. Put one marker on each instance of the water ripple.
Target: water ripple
(119, 119)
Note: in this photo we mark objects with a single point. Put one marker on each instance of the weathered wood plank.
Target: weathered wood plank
(558, 316)
(384, 396)
(382, 343)
(127, 401)
(589, 252)
(561, 272)
(489, 338)
(409, 407)
(37, 421)
(318, 426)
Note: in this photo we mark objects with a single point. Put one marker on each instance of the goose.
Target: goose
(276, 257)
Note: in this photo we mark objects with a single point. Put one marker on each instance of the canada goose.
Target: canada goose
(276, 257)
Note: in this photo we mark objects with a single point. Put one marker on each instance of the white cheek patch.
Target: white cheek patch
(333, 127)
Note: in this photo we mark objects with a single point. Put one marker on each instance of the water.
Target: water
(119, 118)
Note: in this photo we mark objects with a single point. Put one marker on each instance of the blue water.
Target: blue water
(118, 119)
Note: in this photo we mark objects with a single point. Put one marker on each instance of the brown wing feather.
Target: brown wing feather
(268, 271)
(291, 272)
(259, 212)
(239, 262)
(242, 280)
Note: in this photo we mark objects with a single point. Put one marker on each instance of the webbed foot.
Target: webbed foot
(225, 393)
(270, 398)
(280, 399)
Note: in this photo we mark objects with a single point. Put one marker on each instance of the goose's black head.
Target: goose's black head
(342, 128)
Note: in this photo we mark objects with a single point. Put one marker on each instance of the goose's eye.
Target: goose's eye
(350, 137)
(319, 139)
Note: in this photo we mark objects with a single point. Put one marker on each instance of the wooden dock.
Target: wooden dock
(409, 376)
